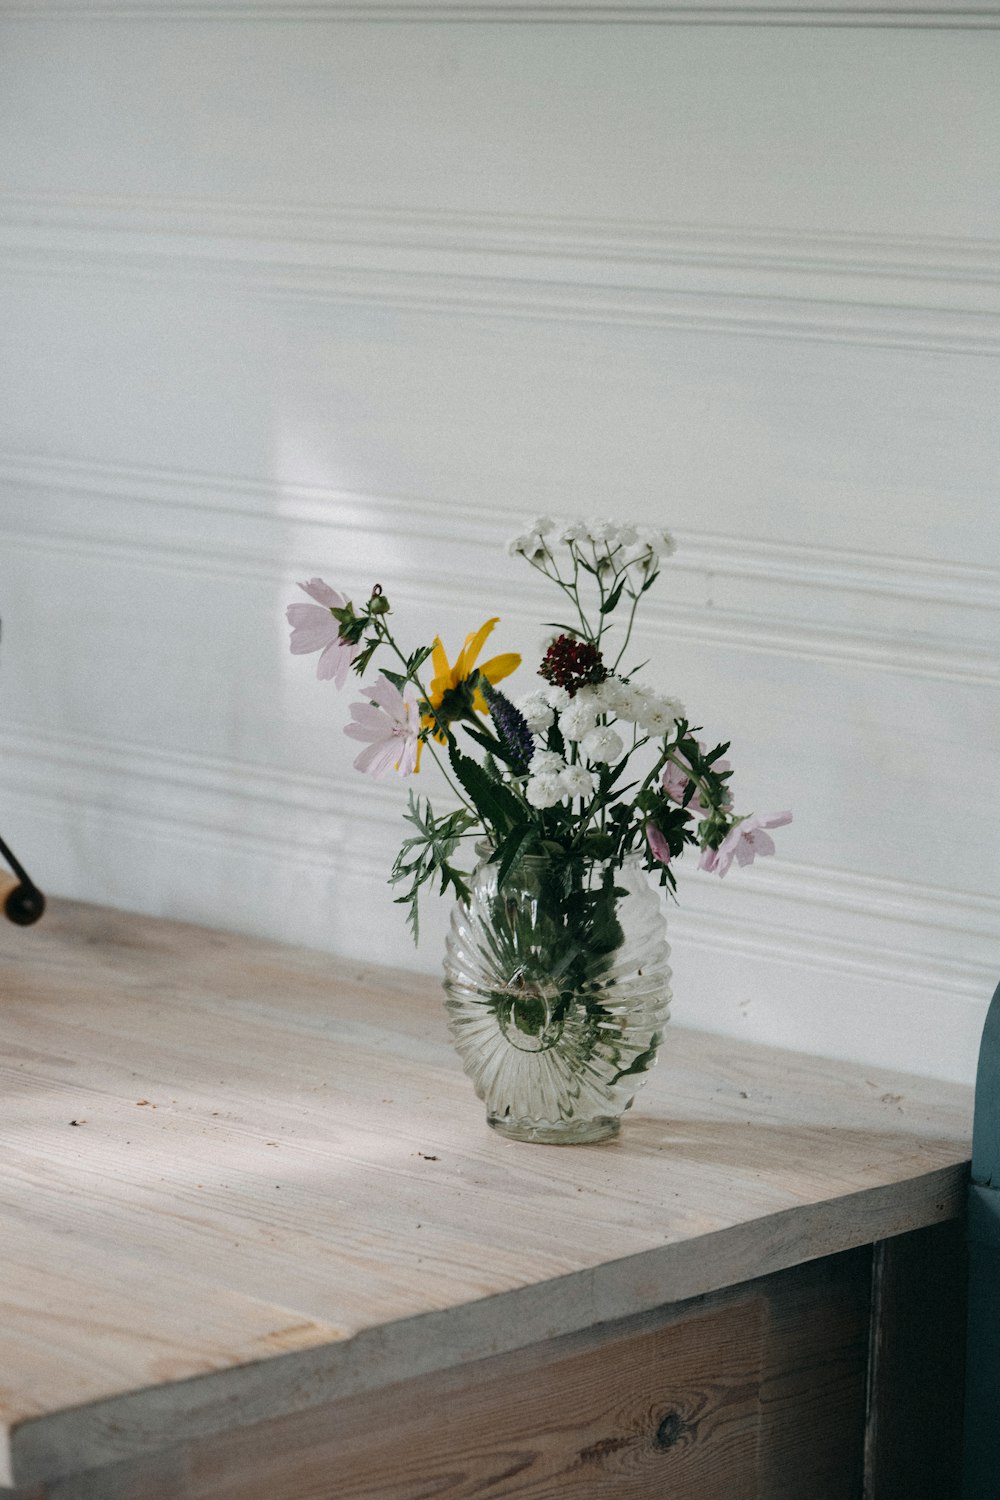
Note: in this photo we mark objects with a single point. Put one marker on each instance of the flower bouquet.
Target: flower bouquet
(564, 801)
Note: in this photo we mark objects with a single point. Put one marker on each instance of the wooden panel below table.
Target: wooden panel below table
(755, 1392)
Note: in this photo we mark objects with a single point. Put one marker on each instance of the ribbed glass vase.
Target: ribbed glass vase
(557, 990)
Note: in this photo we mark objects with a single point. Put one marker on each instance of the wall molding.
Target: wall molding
(898, 932)
(564, 12)
(184, 522)
(917, 292)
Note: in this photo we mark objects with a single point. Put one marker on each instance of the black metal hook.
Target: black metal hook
(25, 903)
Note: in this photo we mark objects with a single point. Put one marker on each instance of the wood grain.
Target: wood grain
(754, 1393)
(279, 1190)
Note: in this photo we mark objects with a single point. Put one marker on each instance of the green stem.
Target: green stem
(636, 596)
(386, 635)
(692, 775)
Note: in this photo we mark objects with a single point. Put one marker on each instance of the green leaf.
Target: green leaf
(508, 851)
(396, 678)
(495, 804)
(416, 660)
(609, 776)
(364, 656)
(427, 854)
(611, 602)
(640, 1064)
(489, 742)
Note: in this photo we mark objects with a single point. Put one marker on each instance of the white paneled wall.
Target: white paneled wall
(289, 289)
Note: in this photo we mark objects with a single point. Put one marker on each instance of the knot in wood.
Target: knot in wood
(670, 1428)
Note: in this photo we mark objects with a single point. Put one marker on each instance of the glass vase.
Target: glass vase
(557, 990)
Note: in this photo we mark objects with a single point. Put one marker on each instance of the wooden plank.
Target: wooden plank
(813, 1390)
(281, 1180)
(914, 1424)
(754, 1393)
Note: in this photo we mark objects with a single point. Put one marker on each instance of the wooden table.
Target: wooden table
(258, 1244)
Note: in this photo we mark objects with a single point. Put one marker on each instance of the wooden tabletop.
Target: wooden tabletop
(239, 1179)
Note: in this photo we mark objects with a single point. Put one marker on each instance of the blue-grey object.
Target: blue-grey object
(981, 1476)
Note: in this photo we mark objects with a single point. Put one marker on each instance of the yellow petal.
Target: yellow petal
(499, 667)
(471, 649)
(438, 659)
(439, 686)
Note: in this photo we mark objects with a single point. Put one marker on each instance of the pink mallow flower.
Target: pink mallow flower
(391, 725)
(315, 629)
(658, 846)
(743, 843)
(675, 783)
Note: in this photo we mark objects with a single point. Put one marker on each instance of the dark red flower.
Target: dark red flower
(572, 664)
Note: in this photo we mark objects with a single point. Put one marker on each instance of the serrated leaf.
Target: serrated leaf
(495, 804)
(432, 847)
(489, 743)
(417, 658)
(361, 661)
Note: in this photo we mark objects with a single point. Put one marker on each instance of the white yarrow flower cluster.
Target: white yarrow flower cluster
(582, 721)
(603, 745)
(552, 780)
(580, 717)
(536, 711)
(633, 702)
(531, 543)
(539, 707)
(644, 545)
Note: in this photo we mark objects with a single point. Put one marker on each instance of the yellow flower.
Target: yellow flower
(449, 695)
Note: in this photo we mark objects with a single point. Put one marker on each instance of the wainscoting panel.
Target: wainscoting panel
(349, 290)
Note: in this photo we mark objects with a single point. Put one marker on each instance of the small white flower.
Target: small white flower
(556, 697)
(578, 782)
(541, 525)
(544, 791)
(642, 556)
(633, 702)
(602, 529)
(547, 763)
(588, 693)
(657, 715)
(575, 531)
(602, 745)
(579, 718)
(659, 541)
(535, 711)
(628, 535)
(612, 695)
(529, 544)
